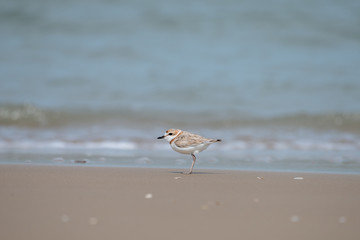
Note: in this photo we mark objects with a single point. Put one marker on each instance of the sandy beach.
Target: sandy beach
(77, 202)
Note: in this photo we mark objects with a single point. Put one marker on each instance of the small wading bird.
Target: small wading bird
(187, 143)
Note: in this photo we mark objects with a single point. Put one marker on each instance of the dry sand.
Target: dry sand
(64, 202)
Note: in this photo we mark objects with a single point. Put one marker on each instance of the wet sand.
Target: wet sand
(65, 202)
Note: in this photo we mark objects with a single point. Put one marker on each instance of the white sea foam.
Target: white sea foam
(226, 145)
(120, 145)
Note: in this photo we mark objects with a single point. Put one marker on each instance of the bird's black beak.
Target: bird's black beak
(161, 137)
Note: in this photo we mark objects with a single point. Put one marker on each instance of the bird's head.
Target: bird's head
(170, 134)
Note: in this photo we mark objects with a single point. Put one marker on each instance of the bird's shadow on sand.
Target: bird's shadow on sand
(195, 173)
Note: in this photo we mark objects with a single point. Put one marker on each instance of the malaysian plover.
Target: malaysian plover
(187, 143)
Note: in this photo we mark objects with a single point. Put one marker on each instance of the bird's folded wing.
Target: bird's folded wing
(188, 139)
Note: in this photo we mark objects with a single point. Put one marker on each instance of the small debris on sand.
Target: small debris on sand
(342, 219)
(148, 196)
(294, 219)
(58, 159)
(65, 218)
(93, 221)
(298, 178)
(83, 161)
(210, 204)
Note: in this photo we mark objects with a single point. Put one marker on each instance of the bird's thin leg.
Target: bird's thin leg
(192, 165)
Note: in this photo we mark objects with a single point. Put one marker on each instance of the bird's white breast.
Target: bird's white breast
(194, 149)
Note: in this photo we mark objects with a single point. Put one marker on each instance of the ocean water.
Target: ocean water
(95, 82)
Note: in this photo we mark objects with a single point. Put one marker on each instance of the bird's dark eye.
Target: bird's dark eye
(170, 134)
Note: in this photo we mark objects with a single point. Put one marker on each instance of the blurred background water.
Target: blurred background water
(97, 81)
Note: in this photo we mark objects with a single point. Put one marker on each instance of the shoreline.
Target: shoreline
(80, 163)
(78, 202)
